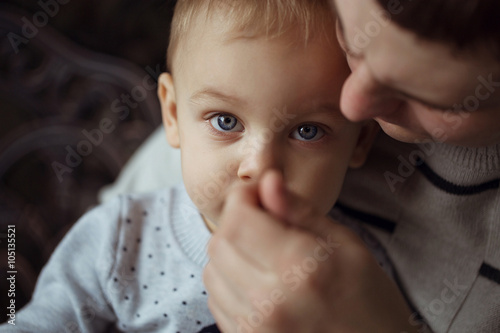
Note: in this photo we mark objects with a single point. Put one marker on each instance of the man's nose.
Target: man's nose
(259, 157)
(364, 98)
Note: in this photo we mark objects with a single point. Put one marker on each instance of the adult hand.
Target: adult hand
(276, 266)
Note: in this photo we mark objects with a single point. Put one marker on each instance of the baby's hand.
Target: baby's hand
(277, 266)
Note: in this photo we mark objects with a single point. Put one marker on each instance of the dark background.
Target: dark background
(77, 97)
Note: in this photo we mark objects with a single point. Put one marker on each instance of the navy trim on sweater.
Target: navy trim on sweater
(451, 188)
(487, 271)
(490, 272)
(370, 219)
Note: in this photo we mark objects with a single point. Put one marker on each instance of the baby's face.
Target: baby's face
(243, 106)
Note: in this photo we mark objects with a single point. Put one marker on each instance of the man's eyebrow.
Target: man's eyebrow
(340, 26)
(214, 94)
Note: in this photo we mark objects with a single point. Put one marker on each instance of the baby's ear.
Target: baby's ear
(367, 135)
(166, 94)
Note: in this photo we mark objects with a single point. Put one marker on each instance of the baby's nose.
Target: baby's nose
(257, 159)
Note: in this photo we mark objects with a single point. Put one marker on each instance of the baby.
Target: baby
(253, 86)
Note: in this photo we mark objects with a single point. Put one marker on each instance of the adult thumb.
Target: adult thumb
(288, 207)
(273, 194)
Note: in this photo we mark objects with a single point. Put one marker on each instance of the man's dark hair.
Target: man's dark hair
(466, 24)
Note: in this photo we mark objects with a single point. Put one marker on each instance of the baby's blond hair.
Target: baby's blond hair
(269, 18)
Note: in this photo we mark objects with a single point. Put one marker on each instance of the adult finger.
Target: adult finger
(250, 229)
(272, 194)
(290, 208)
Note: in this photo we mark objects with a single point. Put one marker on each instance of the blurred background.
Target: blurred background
(77, 97)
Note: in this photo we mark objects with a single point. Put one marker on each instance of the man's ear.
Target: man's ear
(369, 131)
(166, 94)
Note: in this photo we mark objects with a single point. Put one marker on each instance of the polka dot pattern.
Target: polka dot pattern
(134, 263)
(160, 265)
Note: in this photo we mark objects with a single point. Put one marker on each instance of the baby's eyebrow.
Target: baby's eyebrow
(213, 94)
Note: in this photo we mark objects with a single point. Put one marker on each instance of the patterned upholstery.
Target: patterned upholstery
(69, 120)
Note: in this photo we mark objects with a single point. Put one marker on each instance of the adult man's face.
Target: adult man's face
(416, 89)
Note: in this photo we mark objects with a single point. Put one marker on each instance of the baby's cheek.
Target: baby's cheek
(197, 195)
(328, 191)
(205, 196)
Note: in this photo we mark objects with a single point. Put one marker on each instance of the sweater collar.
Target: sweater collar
(464, 165)
(482, 159)
(189, 228)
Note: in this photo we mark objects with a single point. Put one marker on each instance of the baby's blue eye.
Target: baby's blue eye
(308, 133)
(226, 123)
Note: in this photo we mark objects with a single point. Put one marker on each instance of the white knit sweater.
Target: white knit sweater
(134, 265)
